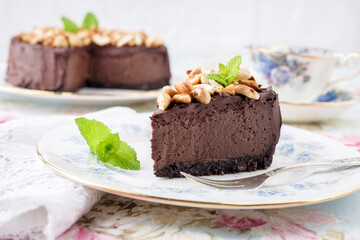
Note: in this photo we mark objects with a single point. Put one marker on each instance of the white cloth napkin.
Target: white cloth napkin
(35, 203)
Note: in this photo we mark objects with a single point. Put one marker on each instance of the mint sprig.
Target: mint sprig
(107, 146)
(89, 21)
(227, 73)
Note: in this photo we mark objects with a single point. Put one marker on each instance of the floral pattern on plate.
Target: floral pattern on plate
(335, 96)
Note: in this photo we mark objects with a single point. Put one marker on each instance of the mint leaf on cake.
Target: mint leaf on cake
(69, 26)
(107, 146)
(218, 78)
(89, 21)
(227, 73)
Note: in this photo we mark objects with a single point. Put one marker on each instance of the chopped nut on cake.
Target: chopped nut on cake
(203, 85)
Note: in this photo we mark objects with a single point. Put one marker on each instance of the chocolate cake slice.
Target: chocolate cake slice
(232, 131)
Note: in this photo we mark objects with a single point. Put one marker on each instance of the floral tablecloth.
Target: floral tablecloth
(115, 217)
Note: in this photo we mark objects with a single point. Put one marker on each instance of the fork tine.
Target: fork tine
(215, 185)
(208, 180)
(225, 182)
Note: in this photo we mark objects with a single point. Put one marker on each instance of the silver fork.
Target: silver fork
(259, 180)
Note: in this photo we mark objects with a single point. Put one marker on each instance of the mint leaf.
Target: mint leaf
(93, 131)
(116, 152)
(214, 76)
(69, 26)
(89, 21)
(229, 79)
(233, 67)
(223, 71)
(234, 64)
(217, 78)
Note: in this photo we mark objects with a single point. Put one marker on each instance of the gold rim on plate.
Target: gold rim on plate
(187, 203)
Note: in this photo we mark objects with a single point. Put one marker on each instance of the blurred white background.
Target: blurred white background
(200, 31)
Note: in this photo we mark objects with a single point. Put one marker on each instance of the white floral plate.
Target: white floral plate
(65, 151)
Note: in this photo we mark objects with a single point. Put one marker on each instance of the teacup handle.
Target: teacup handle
(347, 59)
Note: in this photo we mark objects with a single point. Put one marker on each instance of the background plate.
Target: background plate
(84, 97)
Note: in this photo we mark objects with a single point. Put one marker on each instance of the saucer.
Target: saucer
(328, 106)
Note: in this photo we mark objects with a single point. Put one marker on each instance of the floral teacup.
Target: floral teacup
(298, 74)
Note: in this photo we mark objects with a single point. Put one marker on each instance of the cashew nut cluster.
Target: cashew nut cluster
(57, 37)
(198, 88)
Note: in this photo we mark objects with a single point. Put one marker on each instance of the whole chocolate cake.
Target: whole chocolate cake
(52, 59)
(203, 127)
